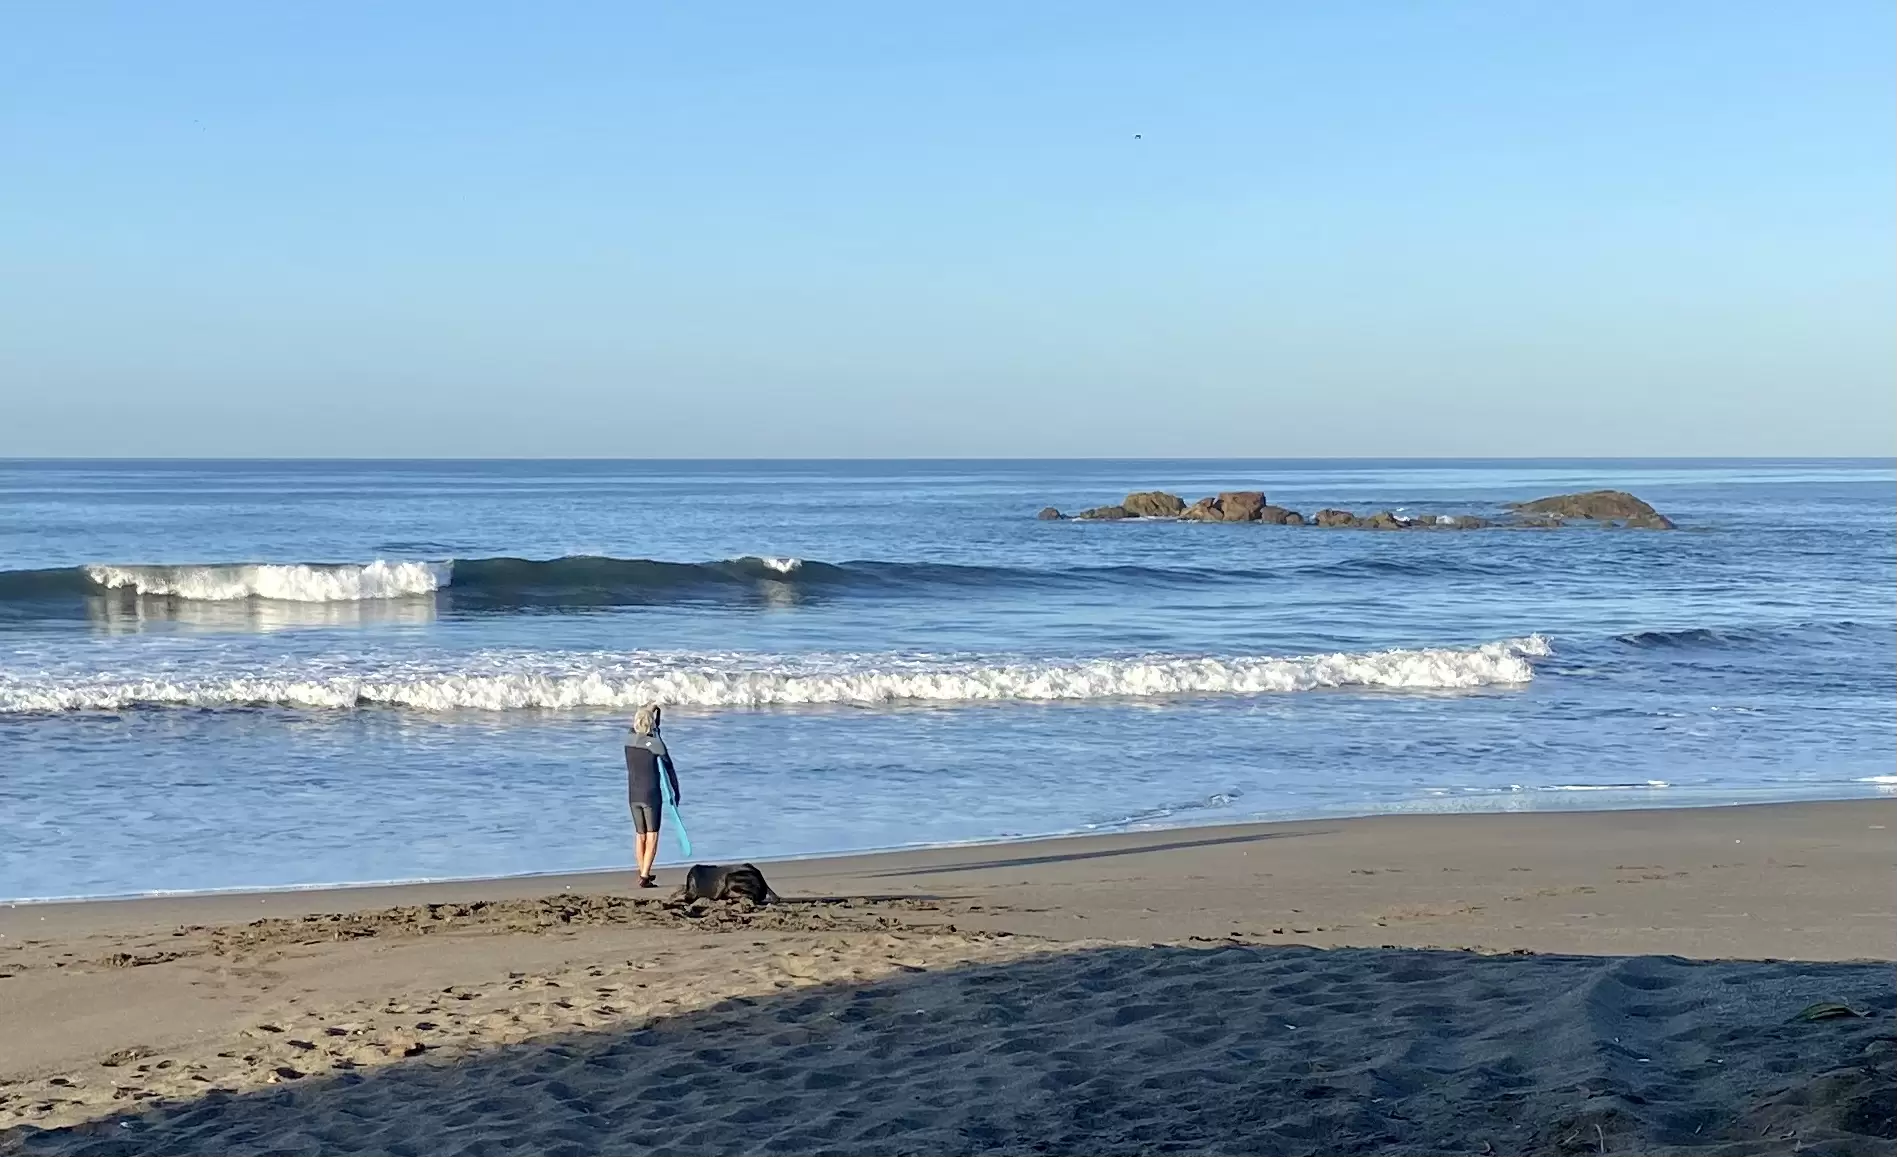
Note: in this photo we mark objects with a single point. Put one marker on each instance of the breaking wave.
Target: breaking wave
(501, 583)
(295, 583)
(579, 581)
(517, 683)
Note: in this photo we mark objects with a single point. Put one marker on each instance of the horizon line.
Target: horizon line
(78, 458)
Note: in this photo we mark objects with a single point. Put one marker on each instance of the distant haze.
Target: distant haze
(819, 229)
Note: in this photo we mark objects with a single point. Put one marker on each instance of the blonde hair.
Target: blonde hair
(646, 722)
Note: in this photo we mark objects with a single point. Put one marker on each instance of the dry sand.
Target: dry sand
(1427, 984)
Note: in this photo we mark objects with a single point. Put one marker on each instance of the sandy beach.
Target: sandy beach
(1619, 982)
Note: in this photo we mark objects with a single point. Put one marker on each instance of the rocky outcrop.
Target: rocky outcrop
(1140, 504)
(1594, 506)
(1050, 514)
(1604, 507)
(1390, 520)
(1241, 505)
(1153, 504)
(1229, 506)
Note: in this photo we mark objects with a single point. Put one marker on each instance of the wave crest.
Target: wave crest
(734, 682)
(503, 582)
(295, 583)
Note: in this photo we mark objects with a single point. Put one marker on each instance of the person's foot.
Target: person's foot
(648, 881)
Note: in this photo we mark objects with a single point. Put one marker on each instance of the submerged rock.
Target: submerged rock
(1049, 514)
(1106, 513)
(1593, 506)
(1279, 516)
(1330, 517)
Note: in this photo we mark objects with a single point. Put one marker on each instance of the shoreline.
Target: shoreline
(1795, 823)
(566, 876)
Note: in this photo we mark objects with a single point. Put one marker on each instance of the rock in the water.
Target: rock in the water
(1442, 522)
(1240, 505)
(1596, 506)
(1153, 504)
(1229, 506)
(1607, 507)
(1049, 514)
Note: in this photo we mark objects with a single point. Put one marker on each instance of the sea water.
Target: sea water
(273, 674)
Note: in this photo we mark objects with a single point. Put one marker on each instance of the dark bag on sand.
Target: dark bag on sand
(726, 882)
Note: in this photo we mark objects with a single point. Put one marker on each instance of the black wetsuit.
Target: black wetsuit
(646, 757)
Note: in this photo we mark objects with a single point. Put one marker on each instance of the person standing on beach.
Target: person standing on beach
(646, 757)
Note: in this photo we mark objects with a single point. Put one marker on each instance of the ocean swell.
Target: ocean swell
(1713, 638)
(576, 682)
(581, 581)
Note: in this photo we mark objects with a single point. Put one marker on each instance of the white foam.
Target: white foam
(1879, 779)
(297, 583)
(565, 682)
(783, 565)
(1652, 783)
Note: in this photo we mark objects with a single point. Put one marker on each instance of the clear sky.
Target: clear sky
(890, 229)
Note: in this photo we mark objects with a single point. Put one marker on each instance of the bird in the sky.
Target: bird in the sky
(1136, 136)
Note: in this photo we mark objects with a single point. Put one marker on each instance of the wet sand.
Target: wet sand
(1578, 982)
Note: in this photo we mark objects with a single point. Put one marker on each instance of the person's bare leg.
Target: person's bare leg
(648, 849)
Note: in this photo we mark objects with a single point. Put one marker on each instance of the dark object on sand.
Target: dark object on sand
(726, 882)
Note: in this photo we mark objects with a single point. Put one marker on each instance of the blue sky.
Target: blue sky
(886, 229)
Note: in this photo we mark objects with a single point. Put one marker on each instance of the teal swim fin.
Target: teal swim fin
(678, 826)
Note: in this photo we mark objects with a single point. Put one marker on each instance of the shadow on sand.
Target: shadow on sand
(1229, 1049)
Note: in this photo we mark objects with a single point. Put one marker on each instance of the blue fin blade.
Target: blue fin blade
(678, 826)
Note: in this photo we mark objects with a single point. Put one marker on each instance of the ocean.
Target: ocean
(228, 674)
